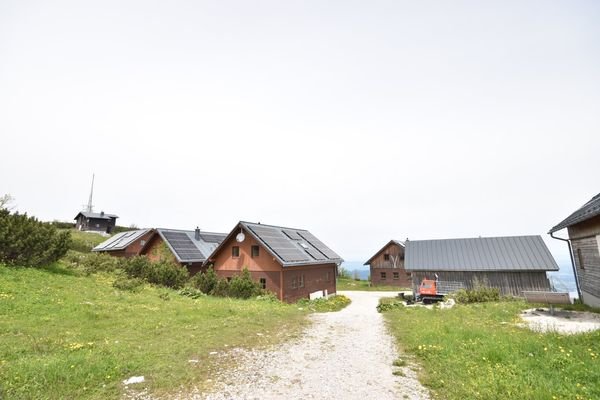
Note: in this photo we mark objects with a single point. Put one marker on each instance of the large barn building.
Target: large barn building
(512, 264)
(583, 227)
(292, 263)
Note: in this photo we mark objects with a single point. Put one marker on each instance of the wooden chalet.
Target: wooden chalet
(187, 248)
(387, 266)
(583, 227)
(125, 244)
(97, 222)
(512, 264)
(292, 263)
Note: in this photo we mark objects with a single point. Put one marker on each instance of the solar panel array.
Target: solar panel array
(183, 246)
(279, 243)
(212, 237)
(291, 234)
(120, 240)
(326, 251)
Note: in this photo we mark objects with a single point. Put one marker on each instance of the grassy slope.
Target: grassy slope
(477, 352)
(85, 241)
(351, 284)
(66, 336)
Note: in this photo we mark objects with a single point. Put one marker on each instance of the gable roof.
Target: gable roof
(399, 243)
(121, 240)
(96, 215)
(585, 212)
(186, 248)
(511, 253)
(289, 246)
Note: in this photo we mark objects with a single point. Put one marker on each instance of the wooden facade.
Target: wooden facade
(157, 250)
(585, 241)
(288, 283)
(387, 266)
(510, 283)
(97, 222)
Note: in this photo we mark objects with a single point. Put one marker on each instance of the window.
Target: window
(255, 251)
(263, 283)
(301, 281)
(294, 283)
(235, 251)
(228, 279)
(383, 276)
(327, 277)
(386, 257)
(580, 259)
(396, 275)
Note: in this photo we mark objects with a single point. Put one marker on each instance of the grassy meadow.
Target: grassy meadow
(477, 352)
(64, 335)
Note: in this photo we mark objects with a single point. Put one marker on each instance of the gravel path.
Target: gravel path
(345, 355)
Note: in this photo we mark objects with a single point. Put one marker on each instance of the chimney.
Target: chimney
(102, 213)
(197, 236)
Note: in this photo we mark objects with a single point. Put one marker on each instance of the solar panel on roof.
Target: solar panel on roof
(121, 240)
(316, 243)
(183, 246)
(291, 234)
(315, 254)
(212, 237)
(279, 244)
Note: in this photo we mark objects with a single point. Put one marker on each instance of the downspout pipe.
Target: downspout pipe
(572, 264)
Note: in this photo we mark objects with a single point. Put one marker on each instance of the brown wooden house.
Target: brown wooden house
(292, 263)
(387, 266)
(583, 227)
(97, 222)
(187, 248)
(512, 264)
(125, 244)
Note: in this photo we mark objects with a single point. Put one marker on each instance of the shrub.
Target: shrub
(205, 281)
(242, 286)
(91, 263)
(221, 288)
(161, 273)
(479, 294)
(28, 242)
(343, 273)
(329, 304)
(128, 284)
(192, 292)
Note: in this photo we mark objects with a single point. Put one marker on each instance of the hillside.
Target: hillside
(63, 335)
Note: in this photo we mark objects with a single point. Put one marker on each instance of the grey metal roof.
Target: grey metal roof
(585, 212)
(398, 242)
(186, 248)
(96, 215)
(121, 240)
(290, 246)
(511, 253)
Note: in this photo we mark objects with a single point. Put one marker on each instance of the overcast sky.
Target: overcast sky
(361, 121)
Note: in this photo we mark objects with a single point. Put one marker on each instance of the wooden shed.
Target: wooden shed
(125, 244)
(583, 227)
(387, 266)
(187, 248)
(512, 263)
(97, 222)
(290, 262)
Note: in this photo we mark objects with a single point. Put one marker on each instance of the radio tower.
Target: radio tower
(90, 207)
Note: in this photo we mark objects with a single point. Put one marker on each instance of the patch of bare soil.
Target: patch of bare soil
(564, 322)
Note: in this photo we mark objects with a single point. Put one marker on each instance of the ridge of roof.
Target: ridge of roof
(589, 210)
(398, 242)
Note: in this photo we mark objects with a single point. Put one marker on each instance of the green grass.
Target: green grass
(477, 352)
(85, 241)
(69, 336)
(351, 284)
(330, 304)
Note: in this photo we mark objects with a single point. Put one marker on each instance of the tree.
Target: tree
(5, 202)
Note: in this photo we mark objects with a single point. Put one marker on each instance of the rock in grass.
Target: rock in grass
(133, 379)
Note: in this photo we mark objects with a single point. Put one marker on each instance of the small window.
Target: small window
(301, 281)
(235, 251)
(386, 257)
(228, 279)
(383, 276)
(327, 277)
(294, 283)
(396, 275)
(580, 259)
(263, 283)
(255, 251)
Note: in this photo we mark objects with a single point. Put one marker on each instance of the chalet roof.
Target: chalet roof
(511, 253)
(585, 212)
(121, 240)
(96, 215)
(186, 248)
(290, 246)
(398, 242)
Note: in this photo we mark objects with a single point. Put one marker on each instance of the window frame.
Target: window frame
(383, 275)
(263, 283)
(386, 257)
(301, 281)
(395, 275)
(234, 253)
(252, 249)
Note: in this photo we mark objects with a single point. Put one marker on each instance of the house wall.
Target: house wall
(279, 279)
(95, 224)
(509, 283)
(585, 240)
(380, 265)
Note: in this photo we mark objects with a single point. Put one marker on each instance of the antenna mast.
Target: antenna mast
(90, 207)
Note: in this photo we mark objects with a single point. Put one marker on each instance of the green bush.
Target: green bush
(205, 281)
(480, 294)
(128, 284)
(161, 273)
(28, 242)
(221, 288)
(192, 292)
(243, 287)
(329, 304)
(91, 263)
